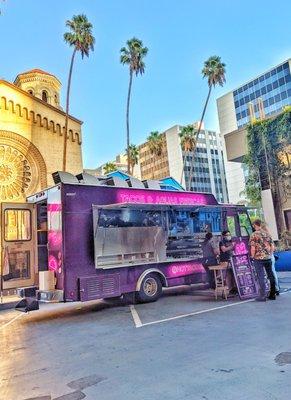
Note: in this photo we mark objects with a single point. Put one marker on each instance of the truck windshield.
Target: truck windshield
(245, 224)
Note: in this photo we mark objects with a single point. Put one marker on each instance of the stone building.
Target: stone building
(31, 135)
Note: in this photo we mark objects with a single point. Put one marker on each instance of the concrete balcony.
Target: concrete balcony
(236, 145)
(236, 142)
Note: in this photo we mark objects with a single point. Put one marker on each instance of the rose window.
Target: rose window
(15, 174)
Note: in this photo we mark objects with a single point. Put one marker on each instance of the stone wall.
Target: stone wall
(43, 126)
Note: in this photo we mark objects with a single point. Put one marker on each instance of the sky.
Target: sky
(249, 36)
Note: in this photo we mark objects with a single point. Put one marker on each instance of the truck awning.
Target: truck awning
(149, 206)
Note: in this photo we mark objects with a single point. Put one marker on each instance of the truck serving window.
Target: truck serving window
(129, 218)
(133, 234)
(187, 223)
(209, 221)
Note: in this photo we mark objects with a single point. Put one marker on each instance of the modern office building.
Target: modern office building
(259, 98)
(206, 170)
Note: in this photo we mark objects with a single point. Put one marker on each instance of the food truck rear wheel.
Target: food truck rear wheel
(150, 289)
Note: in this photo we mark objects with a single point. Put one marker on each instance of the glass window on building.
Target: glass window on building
(269, 87)
(277, 98)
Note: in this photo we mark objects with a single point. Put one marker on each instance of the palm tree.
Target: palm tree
(188, 143)
(155, 143)
(133, 56)
(214, 71)
(109, 167)
(81, 39)
(133, 156)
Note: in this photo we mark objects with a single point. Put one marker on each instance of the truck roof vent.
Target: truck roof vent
(134, 183)
(88, 179)
(115, 181)
(64, 177)
(151, 184)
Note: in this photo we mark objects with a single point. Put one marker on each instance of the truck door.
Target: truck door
(18, 244)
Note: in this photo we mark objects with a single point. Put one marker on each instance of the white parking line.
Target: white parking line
(140, 324)
(11, 321)
(194, 313)
(135, 316)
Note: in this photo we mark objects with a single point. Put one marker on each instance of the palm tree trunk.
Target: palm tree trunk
(67, 111)
(183, 168)
(197, 134)
(203, 112)
(127, 120)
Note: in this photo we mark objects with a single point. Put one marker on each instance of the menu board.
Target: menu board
(244, 276)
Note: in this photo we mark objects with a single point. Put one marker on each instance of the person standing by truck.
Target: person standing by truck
(210, 253)
(261, 249)
(277, 286)
(226, 249)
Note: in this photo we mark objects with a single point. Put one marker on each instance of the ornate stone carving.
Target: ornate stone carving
(22, 168)
(15, 174)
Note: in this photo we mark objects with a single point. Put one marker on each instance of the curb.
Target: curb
(8, 306)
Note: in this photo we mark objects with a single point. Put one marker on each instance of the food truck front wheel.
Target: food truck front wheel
(150, 288)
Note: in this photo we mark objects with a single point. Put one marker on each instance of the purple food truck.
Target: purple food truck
(104, 237)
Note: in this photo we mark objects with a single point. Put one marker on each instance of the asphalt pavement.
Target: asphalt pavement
(185, 346)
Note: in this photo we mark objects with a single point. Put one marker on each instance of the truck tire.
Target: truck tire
(150, 289)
